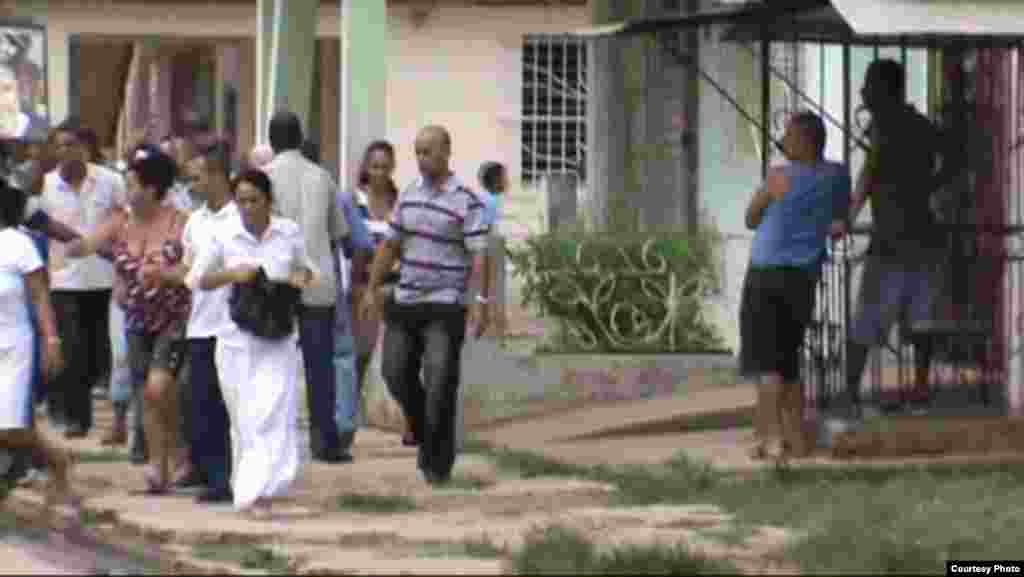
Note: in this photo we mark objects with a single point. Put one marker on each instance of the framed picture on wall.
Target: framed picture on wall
(24, 103)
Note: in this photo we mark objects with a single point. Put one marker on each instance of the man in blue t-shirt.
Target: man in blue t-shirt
(793, 214)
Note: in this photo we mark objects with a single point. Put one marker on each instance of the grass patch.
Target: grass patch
(470, 548)
(8, 521)
(90, 517)
(526, 464)
(468, 483)
(102, 456)
(379, 504)
(903, 519)
(558, 550)
(254, 557)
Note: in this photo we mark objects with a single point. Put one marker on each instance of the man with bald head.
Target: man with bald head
(438, 237)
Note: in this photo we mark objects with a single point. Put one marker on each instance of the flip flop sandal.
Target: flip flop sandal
(154, 484)
(759, 452)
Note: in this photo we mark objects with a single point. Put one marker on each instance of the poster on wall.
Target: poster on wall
(24, 111)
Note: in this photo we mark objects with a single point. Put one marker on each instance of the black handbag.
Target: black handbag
(265, 308)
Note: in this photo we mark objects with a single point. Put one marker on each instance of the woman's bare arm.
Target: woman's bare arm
(39, 293)
(91, 244)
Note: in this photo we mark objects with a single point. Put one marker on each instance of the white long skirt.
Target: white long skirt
(259, 380)
(16, 384)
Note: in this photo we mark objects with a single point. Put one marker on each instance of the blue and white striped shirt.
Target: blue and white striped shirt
(440, 231)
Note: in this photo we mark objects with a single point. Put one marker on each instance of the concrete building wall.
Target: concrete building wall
(460, 66)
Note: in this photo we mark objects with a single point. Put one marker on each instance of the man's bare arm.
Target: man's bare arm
(775, 186)
(383, 262)
(175, 275)
(755, 210)
(861, 192)
(478, 282)
(950, 154)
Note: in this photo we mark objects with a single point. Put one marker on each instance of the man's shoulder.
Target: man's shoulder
(285, 226)
(37, 128)
(107, 176)
(347, 197)
(226, 231)
(295, 169)
(51, 182)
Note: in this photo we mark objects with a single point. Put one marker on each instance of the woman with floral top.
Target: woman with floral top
(144, 241)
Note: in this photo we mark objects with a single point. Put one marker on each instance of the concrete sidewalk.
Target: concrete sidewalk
(402, 524)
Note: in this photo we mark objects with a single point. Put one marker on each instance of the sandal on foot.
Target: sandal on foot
(409, 440)
(156, 484)
(758, 452)
(62, 498)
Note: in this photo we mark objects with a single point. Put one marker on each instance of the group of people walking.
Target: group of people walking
(224, 281)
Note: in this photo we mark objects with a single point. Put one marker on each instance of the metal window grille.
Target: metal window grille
(554, 115)
(786, 84)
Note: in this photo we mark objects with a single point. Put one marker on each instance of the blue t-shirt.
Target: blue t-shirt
(490, 201)
(359, 234)
(794, 231)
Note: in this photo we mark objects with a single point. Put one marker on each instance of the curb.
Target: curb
(26, 506)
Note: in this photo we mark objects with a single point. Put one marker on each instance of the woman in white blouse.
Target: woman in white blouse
(259, 377)
(23, 284)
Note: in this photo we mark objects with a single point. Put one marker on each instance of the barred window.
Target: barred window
(554, 117)
(787, 75)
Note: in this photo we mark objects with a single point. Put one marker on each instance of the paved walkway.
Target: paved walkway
(375, 515)
(22, 558)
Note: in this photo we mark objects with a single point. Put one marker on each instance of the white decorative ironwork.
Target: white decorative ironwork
(649, 319)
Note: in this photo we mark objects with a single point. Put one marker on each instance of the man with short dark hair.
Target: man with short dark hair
(792, 214)
(899, 177)
(81, 194)
(208, 427)
(306, 193)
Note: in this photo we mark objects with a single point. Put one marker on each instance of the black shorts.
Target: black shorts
(775, 309)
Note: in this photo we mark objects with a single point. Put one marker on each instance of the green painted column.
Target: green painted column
(364, 64)
(285, 44)
(264, 41)
(363, 119)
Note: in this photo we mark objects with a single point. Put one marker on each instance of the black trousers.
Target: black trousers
(428, 336)
(83, 322)
(208, 432)
(316, 339)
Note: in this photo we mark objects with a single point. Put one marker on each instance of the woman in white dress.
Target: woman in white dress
(259, 378)
(21, 272)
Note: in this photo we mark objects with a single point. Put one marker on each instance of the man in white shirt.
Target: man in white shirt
(208, 434)
(82, 195)
(306, 193)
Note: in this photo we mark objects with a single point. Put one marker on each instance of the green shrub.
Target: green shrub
(629, 293)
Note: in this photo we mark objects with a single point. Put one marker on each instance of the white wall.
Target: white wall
(460, 68)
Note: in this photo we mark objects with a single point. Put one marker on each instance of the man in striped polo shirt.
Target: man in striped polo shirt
(438, 235)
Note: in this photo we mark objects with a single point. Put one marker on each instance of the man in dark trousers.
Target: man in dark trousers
(208, 428)
(439, 238)
(306, 193)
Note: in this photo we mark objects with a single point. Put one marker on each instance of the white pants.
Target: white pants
(259, 381)
(16, 384)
